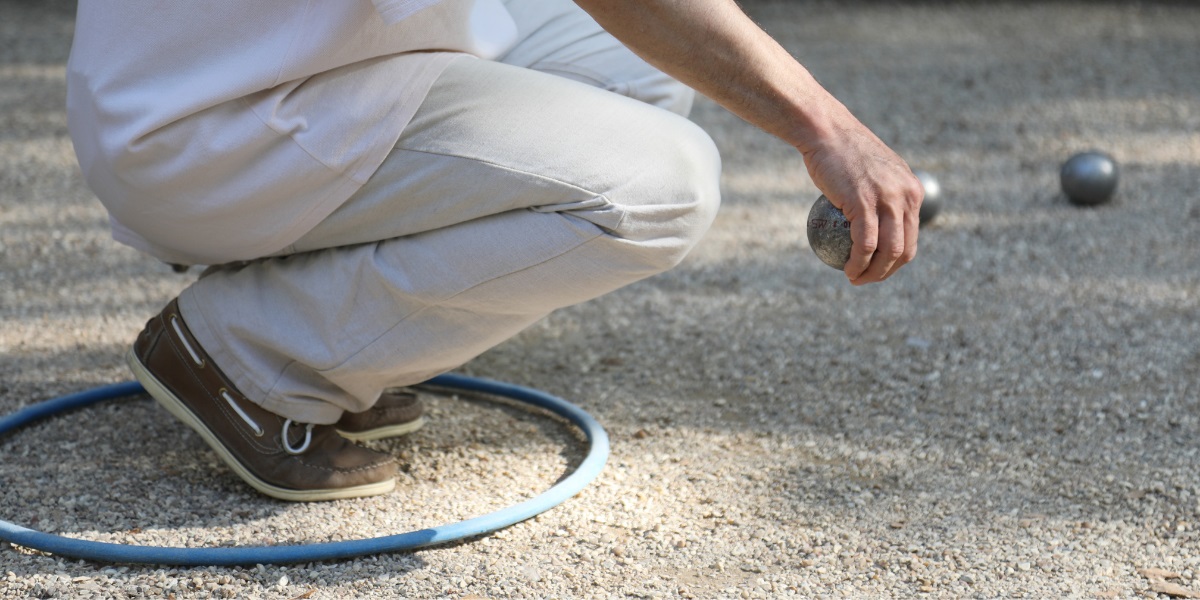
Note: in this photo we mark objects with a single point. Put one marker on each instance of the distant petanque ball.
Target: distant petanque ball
(829, 233)
(1089, 178)
(933, 195)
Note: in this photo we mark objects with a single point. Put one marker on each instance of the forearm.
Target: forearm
(712, 46)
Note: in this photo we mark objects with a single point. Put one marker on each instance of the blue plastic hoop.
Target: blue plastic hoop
(588, 470)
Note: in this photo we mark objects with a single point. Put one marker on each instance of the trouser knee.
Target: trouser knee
(675, 197)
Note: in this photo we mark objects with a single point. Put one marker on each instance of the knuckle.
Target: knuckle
(893, 252)
(916, 191)
(914, 195)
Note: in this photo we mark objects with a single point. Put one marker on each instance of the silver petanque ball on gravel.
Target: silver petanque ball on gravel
(1089, 178)
(933, 195)
(829, 233)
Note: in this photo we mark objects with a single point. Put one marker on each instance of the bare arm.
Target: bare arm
(712, 46)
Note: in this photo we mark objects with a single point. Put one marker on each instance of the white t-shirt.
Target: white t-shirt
(224, 130)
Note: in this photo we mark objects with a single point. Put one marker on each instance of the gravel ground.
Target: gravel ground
(1015, 415)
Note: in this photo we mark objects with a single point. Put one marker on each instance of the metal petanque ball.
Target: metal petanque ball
(933, 195)
(829, 233)
(1089, 178)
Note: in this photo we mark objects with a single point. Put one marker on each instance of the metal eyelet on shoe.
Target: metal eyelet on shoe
(183, 339)
(287, 445)
(258, 431)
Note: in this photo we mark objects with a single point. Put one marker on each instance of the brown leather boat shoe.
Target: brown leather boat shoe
(276, 456)
(398, 412)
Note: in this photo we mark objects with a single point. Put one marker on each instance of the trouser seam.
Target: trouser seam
(624, 212)
(504, 167)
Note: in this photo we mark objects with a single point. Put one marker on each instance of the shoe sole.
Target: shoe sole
(380, 433)
(176, 407)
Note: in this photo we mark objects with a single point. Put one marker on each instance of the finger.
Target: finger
(911, 232)
(888, 249)
(864, 234)
(911, 223)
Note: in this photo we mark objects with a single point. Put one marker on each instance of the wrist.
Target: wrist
(815, 122)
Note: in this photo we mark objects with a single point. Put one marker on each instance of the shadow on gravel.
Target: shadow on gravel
(125, 471)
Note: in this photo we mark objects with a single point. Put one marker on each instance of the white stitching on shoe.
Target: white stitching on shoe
(287, 444)
(258, 431)
(179, 332)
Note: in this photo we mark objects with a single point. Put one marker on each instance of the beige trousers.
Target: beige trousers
(557, 174)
